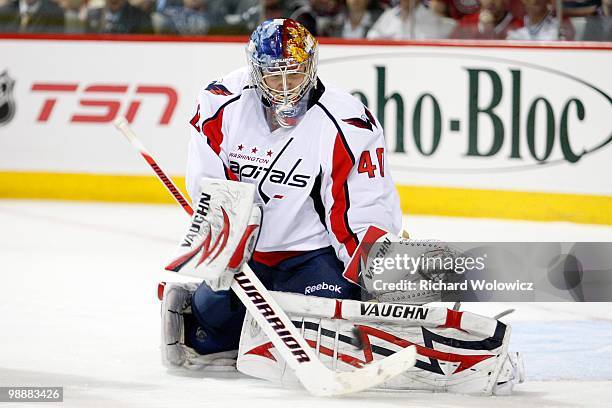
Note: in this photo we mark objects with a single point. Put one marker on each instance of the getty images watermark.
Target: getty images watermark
(426, 265)
(505, 271)
(31, 394)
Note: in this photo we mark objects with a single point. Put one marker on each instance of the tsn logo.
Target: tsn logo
(107, 99)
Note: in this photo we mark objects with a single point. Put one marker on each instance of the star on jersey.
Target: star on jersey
(240, 147)
(366, 121)
(269, 153)
(271, 173)
(254, 150)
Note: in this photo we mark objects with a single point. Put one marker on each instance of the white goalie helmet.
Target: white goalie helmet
(282, 56)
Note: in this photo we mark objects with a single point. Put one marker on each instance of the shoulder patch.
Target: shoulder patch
(216, 88)
(365, 121)
(196, 118)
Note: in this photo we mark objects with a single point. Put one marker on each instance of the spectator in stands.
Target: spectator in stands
(247, 14)
(580, 8)
(493, 22)
(75, 15)
(118, 17)
(442, 8)
(218, 9)
(148, 6)
(31, 16)
(358, 18)
(411, 20)
(190, 18)
(322, 18)
(539, 23)
(599, 27)
(270, 9)
(460, 8)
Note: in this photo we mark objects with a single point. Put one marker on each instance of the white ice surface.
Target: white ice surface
(78, 309)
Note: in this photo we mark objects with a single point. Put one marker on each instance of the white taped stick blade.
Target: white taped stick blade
(371, 375)
(221, 214)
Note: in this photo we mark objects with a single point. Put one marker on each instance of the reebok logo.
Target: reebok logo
(323, 286)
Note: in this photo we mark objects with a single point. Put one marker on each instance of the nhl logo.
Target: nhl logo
(7, 104)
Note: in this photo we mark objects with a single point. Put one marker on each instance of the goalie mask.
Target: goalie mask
(282, 56)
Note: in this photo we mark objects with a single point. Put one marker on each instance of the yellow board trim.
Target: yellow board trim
(516, 205)
(445, 201)
(85, 187)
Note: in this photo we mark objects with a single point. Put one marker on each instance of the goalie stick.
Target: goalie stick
(311, 372)
(123, 126)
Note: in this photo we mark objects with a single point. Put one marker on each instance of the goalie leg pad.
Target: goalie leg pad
(512, 373)
(175, 303)
(468, 357)
(177, 323)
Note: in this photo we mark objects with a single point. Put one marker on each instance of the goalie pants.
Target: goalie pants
(218, 315)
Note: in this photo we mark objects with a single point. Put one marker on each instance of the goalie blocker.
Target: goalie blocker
(221, 235)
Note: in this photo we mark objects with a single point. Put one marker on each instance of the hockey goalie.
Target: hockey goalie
(287, 175)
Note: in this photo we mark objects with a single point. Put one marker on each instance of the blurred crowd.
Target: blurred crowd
(544, 20)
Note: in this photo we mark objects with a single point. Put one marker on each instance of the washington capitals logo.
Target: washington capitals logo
(7, 104)
(216, 88)
(366, 121)
(270, 174)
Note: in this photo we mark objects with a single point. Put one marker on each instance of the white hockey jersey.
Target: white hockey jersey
(321, 183)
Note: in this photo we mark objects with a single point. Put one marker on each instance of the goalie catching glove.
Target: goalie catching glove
(382, 284)
(221, 235)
